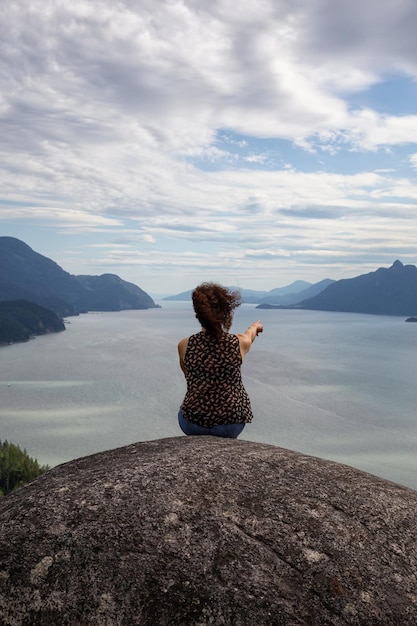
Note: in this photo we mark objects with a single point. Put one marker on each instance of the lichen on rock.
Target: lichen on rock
(202, 530)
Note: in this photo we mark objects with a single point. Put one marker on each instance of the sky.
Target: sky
(178, 141)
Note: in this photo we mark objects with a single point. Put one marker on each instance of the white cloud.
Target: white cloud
(74, 219)
(107, 108)
(413, 160)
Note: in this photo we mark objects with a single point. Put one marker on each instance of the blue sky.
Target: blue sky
(173, 142)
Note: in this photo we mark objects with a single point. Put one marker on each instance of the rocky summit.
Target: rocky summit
(201, 530)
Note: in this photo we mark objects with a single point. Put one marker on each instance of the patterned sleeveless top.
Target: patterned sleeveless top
(215, 392)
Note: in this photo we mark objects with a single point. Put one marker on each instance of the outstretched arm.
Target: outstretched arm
(247, 338)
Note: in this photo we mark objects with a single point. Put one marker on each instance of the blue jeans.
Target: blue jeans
(222, 430)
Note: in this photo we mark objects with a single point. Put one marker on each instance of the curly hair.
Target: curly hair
(214, 306)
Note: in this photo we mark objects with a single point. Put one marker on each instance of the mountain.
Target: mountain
(248, 295)
(295, 297)
(295, 287)
(280, 295)
(25, 274)
(109, 292)
(387, 291)
(183, 296)
(290, 294)
(20, 320)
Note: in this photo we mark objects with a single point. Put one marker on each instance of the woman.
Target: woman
(216, 402)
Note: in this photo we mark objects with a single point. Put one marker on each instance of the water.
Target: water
(339, 386)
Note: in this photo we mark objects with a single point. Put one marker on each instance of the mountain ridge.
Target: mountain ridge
(288, 294)
(386, 291)
(26, 274)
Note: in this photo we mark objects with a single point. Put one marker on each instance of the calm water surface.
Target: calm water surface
(339, 386)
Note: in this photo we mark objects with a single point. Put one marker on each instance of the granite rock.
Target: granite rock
(200, 531)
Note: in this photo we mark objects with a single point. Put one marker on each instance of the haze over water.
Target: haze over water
(335, 385)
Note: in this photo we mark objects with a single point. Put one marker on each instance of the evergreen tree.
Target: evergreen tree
(16, 467)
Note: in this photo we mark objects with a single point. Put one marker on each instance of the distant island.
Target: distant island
(27, 275)
(387, 291)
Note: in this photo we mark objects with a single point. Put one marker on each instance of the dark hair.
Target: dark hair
(214, 306)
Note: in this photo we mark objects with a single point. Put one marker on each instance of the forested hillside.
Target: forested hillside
(20, 320)
(16, 467)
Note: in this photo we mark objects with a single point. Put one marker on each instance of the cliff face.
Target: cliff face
(201, 530)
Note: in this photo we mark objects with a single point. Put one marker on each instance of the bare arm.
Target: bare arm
(247, 338)
(182, 347)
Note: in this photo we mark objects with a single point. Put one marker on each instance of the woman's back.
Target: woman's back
(215, 392)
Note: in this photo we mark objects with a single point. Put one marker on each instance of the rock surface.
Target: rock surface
(200, 530)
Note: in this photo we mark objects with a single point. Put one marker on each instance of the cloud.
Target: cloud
(54, 216)
(183, 70)
(372, 34)
(413, 160)
(193, 123)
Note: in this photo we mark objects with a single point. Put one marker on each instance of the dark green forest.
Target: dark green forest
(20, 320)
(17, 468)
